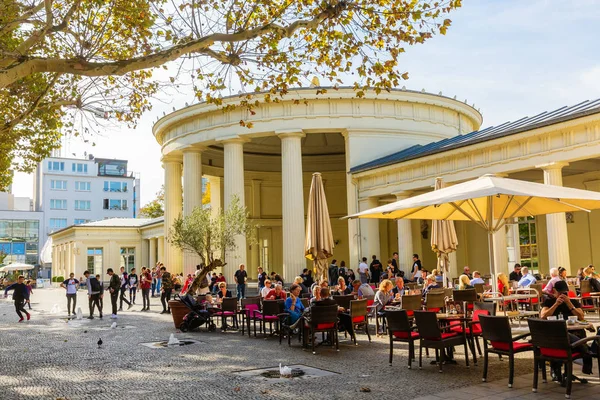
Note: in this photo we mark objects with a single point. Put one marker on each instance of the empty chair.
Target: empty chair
(322, 319)
(435, 301)
(359, 317)
(410, 303)
(496, 331)
(489, 306)
(270, 311)
(401, 330)
(344, 301)
(468, 295)
(228, 310)
(250, 306)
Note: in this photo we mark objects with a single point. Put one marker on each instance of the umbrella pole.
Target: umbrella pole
(490, 226)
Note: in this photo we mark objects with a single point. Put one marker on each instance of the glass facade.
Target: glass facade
(19, 240)
(528, 242)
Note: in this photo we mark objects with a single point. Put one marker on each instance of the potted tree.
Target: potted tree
(209, 236)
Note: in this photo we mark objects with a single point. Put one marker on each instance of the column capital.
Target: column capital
(193, 149)
(290, 133)
(403, 194)
(553, 165)
(167, 159)
(234, 139)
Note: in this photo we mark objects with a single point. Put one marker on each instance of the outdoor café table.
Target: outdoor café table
(463, 320)
(510, 298)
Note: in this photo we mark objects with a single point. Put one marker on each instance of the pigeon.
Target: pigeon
(114, 325)
(99, 342)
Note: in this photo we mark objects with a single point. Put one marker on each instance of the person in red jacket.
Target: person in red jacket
(277, 293)
(145, 284)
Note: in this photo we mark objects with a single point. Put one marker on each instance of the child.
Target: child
(20, 296)
(30, 290)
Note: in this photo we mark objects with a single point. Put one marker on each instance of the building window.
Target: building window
(56, 166)
(80, 168)
(58, 185)
(94, 260)
(128, 258)
(78, 221)
(18, 240)
(83, 186)
(83, 205)
(110, 204)
(56, 204)
(112, 186)
(58, 223)
(528, 245)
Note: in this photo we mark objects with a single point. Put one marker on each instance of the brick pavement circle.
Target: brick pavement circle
(47, 358)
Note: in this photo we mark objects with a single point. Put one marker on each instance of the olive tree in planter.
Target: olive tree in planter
(210, 236)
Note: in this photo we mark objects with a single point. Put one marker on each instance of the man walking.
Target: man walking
(363, 271)
(124, 284)
(113, 287)
(94, 289)
(240, 278)
(133, 286)
(20, 297)
(146, 282)
(71, 285)
(167, 288)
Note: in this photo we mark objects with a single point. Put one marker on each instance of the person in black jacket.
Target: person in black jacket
(20, 297)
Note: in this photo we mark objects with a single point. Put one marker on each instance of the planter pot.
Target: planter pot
(178, 311)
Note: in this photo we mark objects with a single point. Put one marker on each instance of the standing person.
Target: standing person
(124, 286)
(167, 288)
(159, 265)
(363, 270)
(334, 273)
(71, 285)
(213, 283)
(262, 276)
(146, 282)
(240, 279)
(94, 289)
(343, 272)
(133, 286)
(101, 294)
(416, 268)
(153, 282)
(20, 296)
(114, 286)
(395, 262)
(375, 269)
(30, 290)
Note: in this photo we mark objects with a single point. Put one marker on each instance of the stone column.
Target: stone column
(151, 253)
(215, 194)
(558, 240)
(292, 204)
(500, 252)
(369, 231)
(173, 207)
(405, 241)
(192, 197)
(234, 186)
(143, 262)
(352, 208)
(160, 241)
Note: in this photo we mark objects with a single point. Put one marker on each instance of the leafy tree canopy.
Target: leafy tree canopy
(156, 208)
(65, 62)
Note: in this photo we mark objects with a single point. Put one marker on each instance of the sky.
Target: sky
(511, 58)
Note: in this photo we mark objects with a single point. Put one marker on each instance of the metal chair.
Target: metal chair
(270, 313)
(250, 306)
(496, 331)
(551, 342)
(431, 336)
(401, 330)
(228, 310)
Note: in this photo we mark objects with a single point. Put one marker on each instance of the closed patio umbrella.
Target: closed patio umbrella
(319, 237)
(443, 239)
(489, 202)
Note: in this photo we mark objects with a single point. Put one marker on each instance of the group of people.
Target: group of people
(374, 272)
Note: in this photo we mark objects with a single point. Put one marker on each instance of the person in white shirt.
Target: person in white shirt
(363, 270)
(265, 291)
(527, 278)
(476, 278)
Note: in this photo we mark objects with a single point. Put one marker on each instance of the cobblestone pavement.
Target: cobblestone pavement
(48, 358)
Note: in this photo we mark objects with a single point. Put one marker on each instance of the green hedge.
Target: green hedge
(58, 279)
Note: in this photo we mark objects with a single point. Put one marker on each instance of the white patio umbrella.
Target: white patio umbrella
(443, 239)
(17, 267)
(489, 202)
(319, 237)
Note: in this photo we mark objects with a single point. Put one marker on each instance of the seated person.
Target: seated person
(467, 271)
(527, 279)
(438, 276)
(223, 292)
(341, 288)
(398, 290)
(278, 293)
(476, 278)
(265, 291)
(503, 284)
(362, 289)
(555, 277)
(516, 275)
(421, 279)
(383, 297)
(293, 304)
(316, 294)
(430, 284)
(561, 304)
(464, 283)
(326, 300)
(300, 282)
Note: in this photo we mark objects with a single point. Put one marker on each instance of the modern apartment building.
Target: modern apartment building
(74, 191)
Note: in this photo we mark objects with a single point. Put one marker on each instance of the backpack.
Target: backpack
(95, 284)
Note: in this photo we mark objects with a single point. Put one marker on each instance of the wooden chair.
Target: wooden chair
(359, 317)
(496, 331)
(551, 343)
(401, 330)
(431, 336)
(322, 319)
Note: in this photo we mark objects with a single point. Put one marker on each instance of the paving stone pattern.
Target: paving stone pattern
(50, 358)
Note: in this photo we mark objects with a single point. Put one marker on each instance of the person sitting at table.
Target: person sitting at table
(341, 288)
(278, 293)
(561, 304)
(438, 276)
(467, 271)
(316, 295)
(528, 279)
(421, 279)
(503, 284)
(516, 275)
(265, 291)
(430, 284)
(223, 292)
(300, 282)
(361, 290)
(293, 305)
(399, 288)
(555, 277)
(383, 297)
(476, 278)
(464, 283)
(326, 300)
